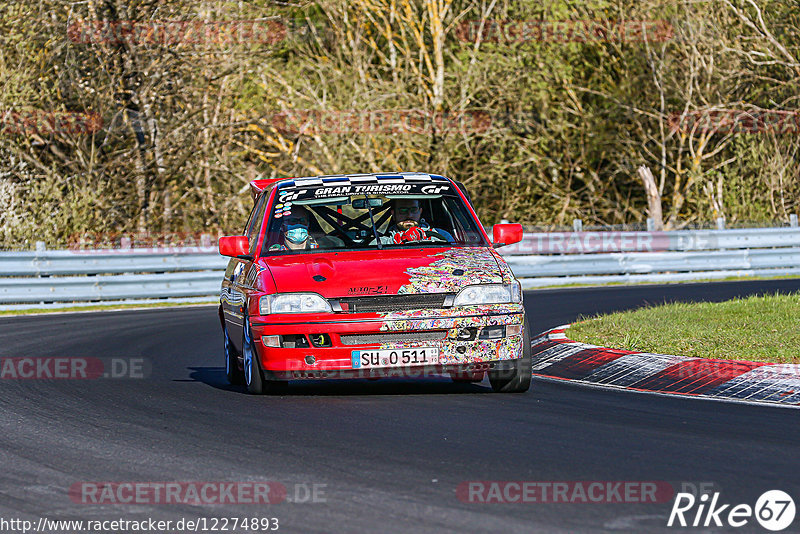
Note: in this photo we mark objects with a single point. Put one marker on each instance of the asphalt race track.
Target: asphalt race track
(385, 456)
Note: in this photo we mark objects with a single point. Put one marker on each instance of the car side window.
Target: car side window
(465, 232)
(249, 224)
(257, 222)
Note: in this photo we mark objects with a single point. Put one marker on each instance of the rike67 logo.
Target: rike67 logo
(774, 510)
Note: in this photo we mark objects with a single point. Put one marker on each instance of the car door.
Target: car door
(240, 277)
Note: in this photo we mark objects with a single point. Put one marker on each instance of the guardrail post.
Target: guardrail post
(720, 223)
(40, 246)
(577, 225)
(793, 220)
(651, 224)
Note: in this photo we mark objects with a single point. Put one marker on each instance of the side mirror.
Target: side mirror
(235, 246)
(506, 234)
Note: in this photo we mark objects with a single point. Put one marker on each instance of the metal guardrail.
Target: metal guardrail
(653, 262)
(552, 259)
(539, 271)
(51, 278)
(675, 241)
(102, 288)
(110, 261)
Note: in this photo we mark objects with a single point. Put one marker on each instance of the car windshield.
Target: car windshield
(331, 215)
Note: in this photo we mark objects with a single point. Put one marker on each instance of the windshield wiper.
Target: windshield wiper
(372, 221)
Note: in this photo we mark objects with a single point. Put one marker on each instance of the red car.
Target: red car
(370, 275)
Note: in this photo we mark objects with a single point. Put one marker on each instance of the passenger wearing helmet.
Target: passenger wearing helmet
(295, 232)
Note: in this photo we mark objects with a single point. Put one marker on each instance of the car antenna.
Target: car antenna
(372, 220)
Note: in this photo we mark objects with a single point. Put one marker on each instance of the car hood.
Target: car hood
(387, 272)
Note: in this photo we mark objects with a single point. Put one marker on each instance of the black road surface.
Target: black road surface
(383, 456)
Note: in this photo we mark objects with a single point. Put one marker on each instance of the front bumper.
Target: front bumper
(439, 328)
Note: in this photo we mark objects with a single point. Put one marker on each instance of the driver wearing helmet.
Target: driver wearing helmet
(409, 226)
(295, 232)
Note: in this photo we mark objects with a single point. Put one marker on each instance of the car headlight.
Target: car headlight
(489, 294)
(293, 303)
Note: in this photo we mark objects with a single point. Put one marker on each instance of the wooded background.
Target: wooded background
(543, 123)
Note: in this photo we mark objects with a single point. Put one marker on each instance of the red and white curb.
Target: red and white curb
(555, 356)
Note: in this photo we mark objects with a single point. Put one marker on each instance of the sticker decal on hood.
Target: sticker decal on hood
(505, 270)
(474, 265)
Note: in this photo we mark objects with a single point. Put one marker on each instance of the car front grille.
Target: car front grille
(390, 303)
(392, 337)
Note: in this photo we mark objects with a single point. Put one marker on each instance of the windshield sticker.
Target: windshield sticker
(433, 189)
(287, 196)
(370, 189)
(339, 189)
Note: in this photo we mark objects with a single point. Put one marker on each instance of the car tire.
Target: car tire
(518, 379)
(254, 379)
(234, 375)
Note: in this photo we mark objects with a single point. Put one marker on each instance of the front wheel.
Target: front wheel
(517, 379)
(253, 375)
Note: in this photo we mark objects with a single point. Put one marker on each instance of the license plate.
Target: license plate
(365, 359)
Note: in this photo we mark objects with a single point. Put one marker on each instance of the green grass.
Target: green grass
(755, 328)
(104, 307)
